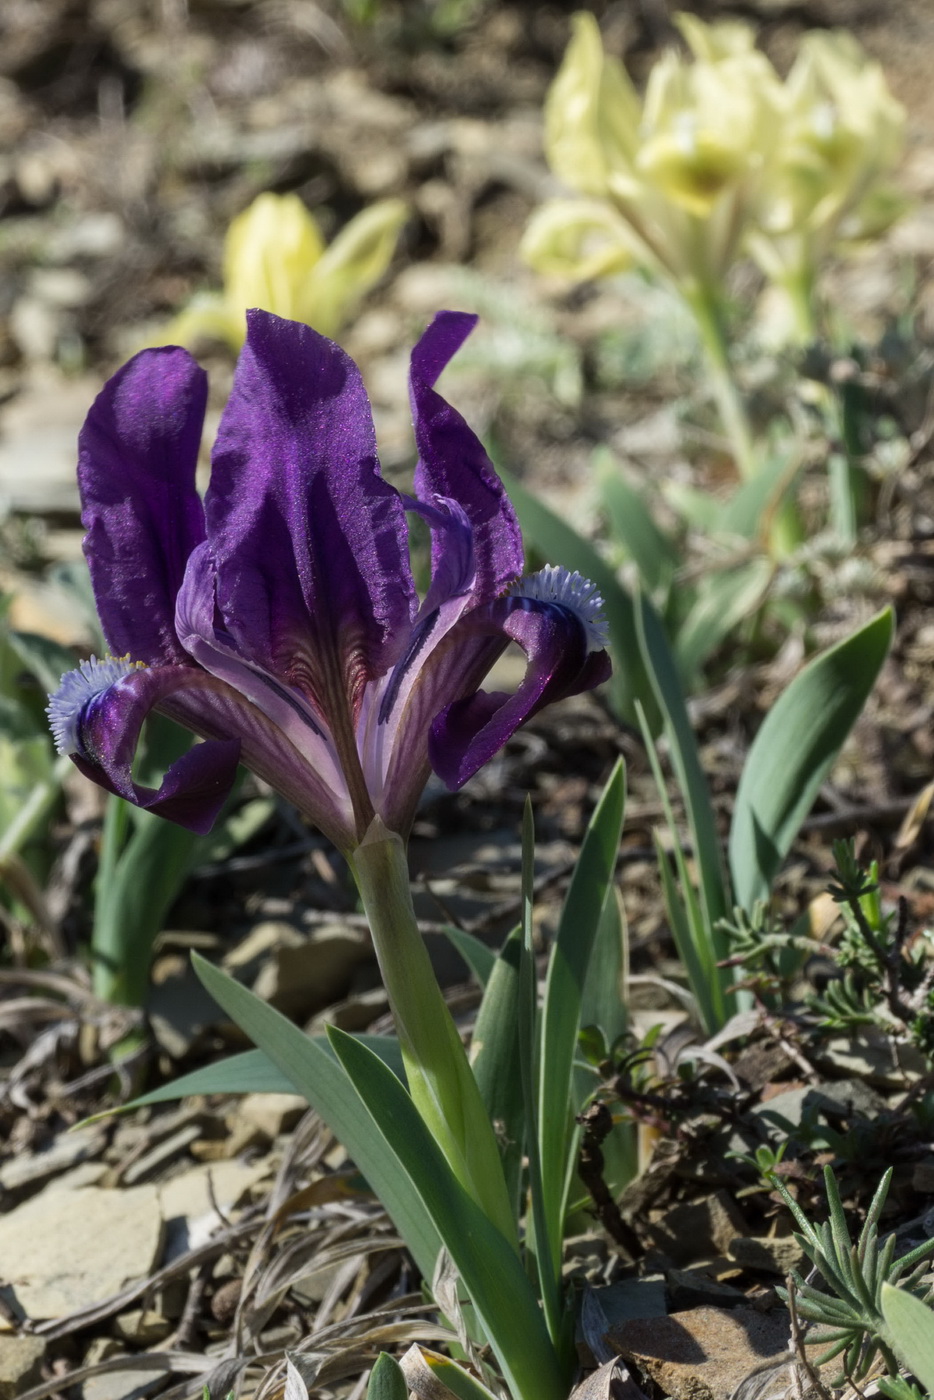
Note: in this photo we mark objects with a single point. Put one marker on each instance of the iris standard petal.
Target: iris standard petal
(467, 733)
(452, 465)
(439, 343)
(309, 542)
(138, 451)
(453, 562)
(452, 668)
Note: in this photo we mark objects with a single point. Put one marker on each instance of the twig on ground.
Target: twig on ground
(797, 1342)
(597, 1122)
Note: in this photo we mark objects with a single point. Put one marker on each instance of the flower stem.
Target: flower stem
(441, 1082)
(798, 286)
(706, 309)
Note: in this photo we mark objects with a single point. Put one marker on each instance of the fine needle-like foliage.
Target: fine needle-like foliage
(850, 1312)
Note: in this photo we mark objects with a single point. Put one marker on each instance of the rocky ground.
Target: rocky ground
(196, 1243)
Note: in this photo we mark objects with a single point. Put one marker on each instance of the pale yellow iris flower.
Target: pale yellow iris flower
(670, 180)
(842, 136)
(275, 258)
(720, 158)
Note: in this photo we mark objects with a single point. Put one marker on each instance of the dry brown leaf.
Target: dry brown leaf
(420, 1378)
(611, 1382)
(823, 912)
(914, 819)
(295, 1387)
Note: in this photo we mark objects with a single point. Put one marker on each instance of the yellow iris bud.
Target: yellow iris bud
(275, 258)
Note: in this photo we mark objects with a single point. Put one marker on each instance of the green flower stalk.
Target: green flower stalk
(440, 1079)
(275, 258)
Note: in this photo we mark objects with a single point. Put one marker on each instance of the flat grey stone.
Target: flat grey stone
(698, 1229)
(849, 1095)
(272, 1114)
(122, 1385)
(122, 1380)
(65, 1250)
(187, 1205)
(303, 974)
(30, 1170)
(704, 1353)
(20, 1360)
(142, 1327)
(778, 1255)
(873, 1058)
(84, 1174)
(39, 443)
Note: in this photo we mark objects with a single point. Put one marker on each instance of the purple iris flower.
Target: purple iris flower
(278, 619)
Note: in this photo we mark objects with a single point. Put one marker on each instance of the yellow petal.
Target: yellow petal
(591, 112)
(208, 317)
(707, 126)
(712, 42)
(842, 133)
(269, 253)
(577, 239)
(353, 263)
(691, 167)
(840, 99)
